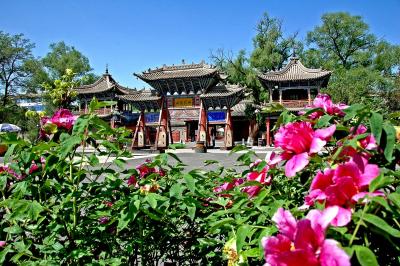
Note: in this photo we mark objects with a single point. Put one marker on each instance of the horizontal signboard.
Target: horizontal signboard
(183, 102)
(216, 116)
(151, 117)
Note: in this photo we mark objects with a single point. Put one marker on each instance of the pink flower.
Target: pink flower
(229, 185)
(299, 141)
(34, 168)
(367, 143)
(144, 169)
(11, 172)
(3, 244)
(132, 181)
(342, 187)
(103, 220)
(324, 102)
(303, 242)
(109, 204)
(262, 177)
(63, 118)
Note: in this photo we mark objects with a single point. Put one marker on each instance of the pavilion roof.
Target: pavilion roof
(104, 84)
(222, 95)
(142, 100)
(179, 71)
(294, 71)
(182, 79)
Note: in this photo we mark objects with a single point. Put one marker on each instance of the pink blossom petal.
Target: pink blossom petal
(315, 195)
(296, 164)
(322, 218)
(322, 180)
(357, 197)
(333, 255)
(371, 171)
(325, 133)
(285, 222)
(316, 145)
(252, 191)
(342, 218)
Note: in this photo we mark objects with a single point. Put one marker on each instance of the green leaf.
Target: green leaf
(395, 198)
(381, 224)
(151, 199)
(376, 121)
(173, 155)
(20, 189)
(80, 125)
(238, 148)
(13, 229)
(33, 210)
(93, 160)
(352, 111)
(365, 256)
(381, 181)
(120, 163)
(190, 182)
(191, 212)
(241, 235)
(176, 191)
(68, 145)
(252, 253)
(390, 141)
(220, 223)
(323, 121)
(3, 182)
(123, 219)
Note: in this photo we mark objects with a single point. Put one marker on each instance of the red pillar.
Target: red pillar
(202, 132)
(268, 132)
(162, 129)
(140, 132)
(228, 138)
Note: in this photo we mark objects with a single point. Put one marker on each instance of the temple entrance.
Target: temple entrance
(191, 130)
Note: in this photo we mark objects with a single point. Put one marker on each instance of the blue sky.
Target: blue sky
(132, 36)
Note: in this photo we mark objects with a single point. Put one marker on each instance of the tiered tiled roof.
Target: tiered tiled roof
(295, 71)
(186, 79)
(144, 99)
(104, 84)
(180, 71)
(221, 96)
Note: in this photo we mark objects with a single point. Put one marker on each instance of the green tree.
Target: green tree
(15, 52)
(342, 39)
(61, 92)
(62, 57)
(272, 48)
(364, 69)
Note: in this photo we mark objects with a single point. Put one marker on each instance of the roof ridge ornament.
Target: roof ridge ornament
(106, 68)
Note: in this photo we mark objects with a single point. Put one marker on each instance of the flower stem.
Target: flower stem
(358, 225)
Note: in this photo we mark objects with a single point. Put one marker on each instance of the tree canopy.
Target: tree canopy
(15, 53)
(365, 68)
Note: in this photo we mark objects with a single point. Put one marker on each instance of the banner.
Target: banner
(216, 116)
(151, 117)
(183, 102)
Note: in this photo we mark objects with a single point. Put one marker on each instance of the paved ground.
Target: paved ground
(191, 159)
(196, 160)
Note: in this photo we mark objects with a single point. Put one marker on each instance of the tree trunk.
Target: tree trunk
(5, 94)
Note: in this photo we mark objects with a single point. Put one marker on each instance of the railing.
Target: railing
(294, 103)
(100, 112)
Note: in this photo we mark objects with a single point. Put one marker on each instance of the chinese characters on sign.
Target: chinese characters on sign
(183, 102)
